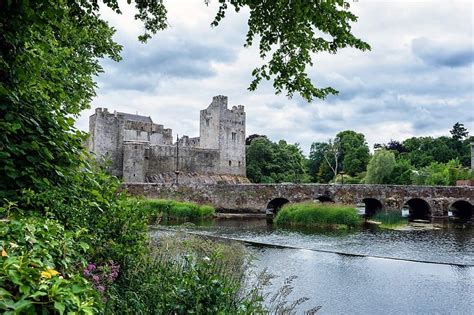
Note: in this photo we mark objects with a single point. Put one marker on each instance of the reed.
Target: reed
(172, 210)
(311, 214)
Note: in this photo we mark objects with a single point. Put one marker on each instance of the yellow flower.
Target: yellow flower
(48, 273)
(4, 253)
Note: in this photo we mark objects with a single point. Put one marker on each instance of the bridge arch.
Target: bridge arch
(324, 198)
(418, 209)
(275, 204)
(372, 206)
(462, 210)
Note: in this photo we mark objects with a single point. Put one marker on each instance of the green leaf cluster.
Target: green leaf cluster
(271, 162)
(40, 269)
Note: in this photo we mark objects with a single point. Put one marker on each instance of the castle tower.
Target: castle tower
(105, 139)
(223, 129)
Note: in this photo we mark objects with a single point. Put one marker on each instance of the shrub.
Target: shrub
(41, 269)
(185, 275)
(312, 214)
(171, 209)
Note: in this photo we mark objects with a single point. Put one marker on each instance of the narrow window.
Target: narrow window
(207, 122)
(234, 136)
(239, 163)
(230, 163)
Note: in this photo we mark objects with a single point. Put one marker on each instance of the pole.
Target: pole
(177, 158)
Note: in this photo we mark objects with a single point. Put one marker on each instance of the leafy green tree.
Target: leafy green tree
(402, 172)
(445, 174)
(316, 159)
(354, 152)
(380, 167)
(459, 132)
(270, 162)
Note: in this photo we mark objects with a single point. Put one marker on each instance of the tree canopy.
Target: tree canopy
(271, 162)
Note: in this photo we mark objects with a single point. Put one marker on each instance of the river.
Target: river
(362, 271)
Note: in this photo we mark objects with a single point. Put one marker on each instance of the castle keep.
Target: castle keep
(142, 151)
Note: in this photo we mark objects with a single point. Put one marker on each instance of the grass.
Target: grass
(390, 220)
(311, 214)
(158, 209)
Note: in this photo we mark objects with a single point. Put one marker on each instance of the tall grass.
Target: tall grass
(390, 220)
(172, 210)
(186, 275)
(311, 214)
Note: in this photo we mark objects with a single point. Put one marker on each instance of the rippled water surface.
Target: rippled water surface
(346, 284)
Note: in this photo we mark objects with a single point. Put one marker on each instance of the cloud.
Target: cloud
(443, 53)
(143, 67)
(416, 81)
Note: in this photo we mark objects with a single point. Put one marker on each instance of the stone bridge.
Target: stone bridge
(422, 202)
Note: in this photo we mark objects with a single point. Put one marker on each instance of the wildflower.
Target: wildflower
(49, 273)
(4, 253)
(91, 267)
(95, 278)
(101, 288)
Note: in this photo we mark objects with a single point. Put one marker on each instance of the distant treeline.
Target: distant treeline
(414, 161)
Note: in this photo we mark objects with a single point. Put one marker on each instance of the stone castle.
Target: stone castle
(139, 150)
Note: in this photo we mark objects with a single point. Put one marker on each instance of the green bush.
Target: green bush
(171, 209)
(312, 214)
(41, 269)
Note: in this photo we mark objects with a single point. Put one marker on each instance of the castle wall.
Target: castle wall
(162, 159)
(135, 161)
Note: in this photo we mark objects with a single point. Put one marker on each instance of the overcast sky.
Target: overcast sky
(418, 80)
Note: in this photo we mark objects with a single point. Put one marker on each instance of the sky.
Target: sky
(418, 79)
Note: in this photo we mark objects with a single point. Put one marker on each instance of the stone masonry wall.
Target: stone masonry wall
(255, 197)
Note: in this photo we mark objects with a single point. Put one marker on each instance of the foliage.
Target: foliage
(270, 162)
(445, 174)
(459, 132)
(171, 209)
(292, 31)
(48, 58)
(380, 167)
(250, 138)
(347, 152)
(355, 152)
(41, 269)
(313, 214)
(316, 159)
(188, 275)
(401, 173)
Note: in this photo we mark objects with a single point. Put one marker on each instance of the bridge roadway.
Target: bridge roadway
(423, 202)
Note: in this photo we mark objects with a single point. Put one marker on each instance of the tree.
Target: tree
(316, 159)
(270, 162)
(459, 132)
(250, 138)
(331, 155)
(354, 152)
(380, 167)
